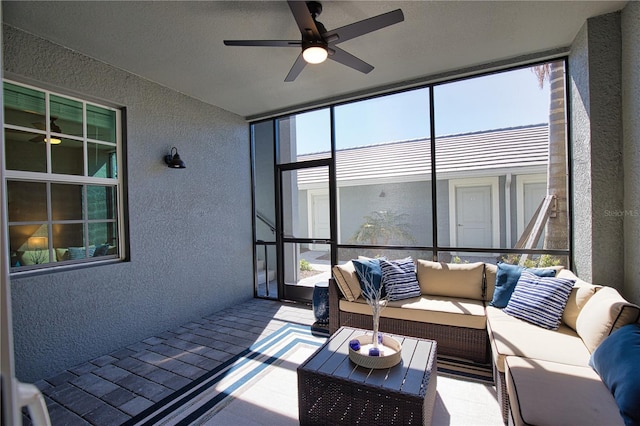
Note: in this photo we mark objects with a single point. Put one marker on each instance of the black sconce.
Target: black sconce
(173, 160)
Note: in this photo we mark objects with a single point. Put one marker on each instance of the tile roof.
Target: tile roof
(481, 153)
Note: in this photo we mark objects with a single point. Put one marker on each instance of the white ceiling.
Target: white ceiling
(179, 44)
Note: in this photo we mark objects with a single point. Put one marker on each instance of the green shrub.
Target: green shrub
(305, 265)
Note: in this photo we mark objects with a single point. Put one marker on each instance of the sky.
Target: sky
(508, 99)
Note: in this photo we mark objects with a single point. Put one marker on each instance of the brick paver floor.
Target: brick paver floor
(111, 389)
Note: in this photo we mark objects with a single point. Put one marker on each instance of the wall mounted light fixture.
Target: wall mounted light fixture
(173, 160)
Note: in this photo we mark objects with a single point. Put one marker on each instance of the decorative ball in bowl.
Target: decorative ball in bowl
(363, 353)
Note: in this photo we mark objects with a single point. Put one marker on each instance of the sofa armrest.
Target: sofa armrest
(334, 306)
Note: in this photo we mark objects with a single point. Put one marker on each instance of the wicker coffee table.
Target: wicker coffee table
(334, 390)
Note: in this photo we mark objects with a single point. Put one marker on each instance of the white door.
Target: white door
(321, 216)
(320, 227)
(474, 216)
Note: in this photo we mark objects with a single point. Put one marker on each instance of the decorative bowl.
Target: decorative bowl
(390, 352)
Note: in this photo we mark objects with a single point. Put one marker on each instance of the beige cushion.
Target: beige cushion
(347, 280)
(451, 279)
(63, 254)
(429, 309)
(511, 336)
(490, 272)
(580, 295)
(604, 312)
(548, 393)
(33, 257)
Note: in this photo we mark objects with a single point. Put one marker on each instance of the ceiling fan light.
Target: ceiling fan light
(53, 141)
(315, 54)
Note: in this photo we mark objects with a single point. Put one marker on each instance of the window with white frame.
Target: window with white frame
(63, 186)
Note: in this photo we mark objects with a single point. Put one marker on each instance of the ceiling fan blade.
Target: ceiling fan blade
(303, 18)
(272, 43)
(363, 27)
(349, 60)
(296, 69)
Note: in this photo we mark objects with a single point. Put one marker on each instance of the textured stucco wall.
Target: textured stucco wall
(631, 147)
(595, 92)
(190, 229)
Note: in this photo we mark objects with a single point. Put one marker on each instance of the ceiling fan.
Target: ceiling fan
(319, 44)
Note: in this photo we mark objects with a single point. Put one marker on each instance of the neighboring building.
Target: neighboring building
(493, 182)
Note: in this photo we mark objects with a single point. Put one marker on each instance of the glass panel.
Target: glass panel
(101, 202)
(25, 151)
(24, 107)
(263, 145)
(66, 202)
(102, 160)
(66, 116)
(102, 236)
(383, 170)
(305, 203)
(27, 201)
(66, 236)
(470, 257)
(305, 136)
(347, 254)
(266, 271)
(29, 244)
(399, 117)
(67, 157)
(493, 147)
(534, 260)
(306, 265)
(101, 124)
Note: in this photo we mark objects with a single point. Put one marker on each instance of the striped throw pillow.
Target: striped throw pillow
(540, 300)
(399, 279)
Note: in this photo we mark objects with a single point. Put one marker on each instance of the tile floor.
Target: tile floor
(111, 389)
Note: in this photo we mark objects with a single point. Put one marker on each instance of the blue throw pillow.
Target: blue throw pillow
(617, 362)
(540, 300)
(368, 270)
(101, 250)
(507, 277)
(76, 253)
(399, 279)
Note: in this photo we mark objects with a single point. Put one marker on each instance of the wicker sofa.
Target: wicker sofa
(533, 367)
(453, 315)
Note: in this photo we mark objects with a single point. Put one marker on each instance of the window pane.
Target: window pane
(66, 116)
(25, 151)
(27, 201)
(101, 202)
(66, 236)
(101, 124)
(383, 170)
(66, 202)
(305, 136)
(102, 160)
(391, 118)
(263, 145)
(347, 254)
(68, 157)
(102, 234)
(306, 266)
(24, 107)
(493, 149)
(305, 195)
(28, 244)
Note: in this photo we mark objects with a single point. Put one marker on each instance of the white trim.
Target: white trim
(48, 177)
(493, 182)
(521, 181)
